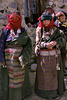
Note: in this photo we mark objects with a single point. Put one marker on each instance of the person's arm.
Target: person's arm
(61, 39)
(37, 45)
(26, 54)
(2, 44)
(59, 13)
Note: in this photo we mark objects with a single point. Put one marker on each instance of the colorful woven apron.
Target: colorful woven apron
(46, 70)
(16, 73)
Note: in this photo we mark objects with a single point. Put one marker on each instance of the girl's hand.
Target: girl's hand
(51, 44)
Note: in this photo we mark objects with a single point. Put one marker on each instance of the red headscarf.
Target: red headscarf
(46, 27)
(14, 23)
(50, 10)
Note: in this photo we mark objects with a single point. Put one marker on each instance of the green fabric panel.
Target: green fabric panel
(26, 88)
(4, 83)
(14, 93)
(61, 85)
(59, 37)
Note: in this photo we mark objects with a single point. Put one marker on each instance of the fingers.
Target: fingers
(51, 44)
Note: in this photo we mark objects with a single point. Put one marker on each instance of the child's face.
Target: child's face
(46, 22)
(62, 18)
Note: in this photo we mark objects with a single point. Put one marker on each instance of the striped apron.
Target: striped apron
(46, 70)
(15, 71)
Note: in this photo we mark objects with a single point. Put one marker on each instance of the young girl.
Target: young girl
(49, 81)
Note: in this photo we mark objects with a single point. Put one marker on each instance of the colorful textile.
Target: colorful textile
(49, 82)
(46, 65)
(18, 83)
(16, 74)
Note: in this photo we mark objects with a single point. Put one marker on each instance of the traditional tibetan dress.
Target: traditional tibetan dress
(15, 43)
(49, 81)
(63, 27)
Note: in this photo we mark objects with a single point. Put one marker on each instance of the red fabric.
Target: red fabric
(14, 23)
(50, 10)
(46, 27)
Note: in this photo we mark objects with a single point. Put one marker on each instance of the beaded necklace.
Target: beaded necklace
(13, 36)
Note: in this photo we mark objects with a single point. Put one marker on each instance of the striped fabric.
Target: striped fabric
(46, 71)
(16, 73)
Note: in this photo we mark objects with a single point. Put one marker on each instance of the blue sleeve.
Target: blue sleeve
(2, 45)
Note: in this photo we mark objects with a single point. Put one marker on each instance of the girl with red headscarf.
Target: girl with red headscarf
(49, 82)
(15, 53)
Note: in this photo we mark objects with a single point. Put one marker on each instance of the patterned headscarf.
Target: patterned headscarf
(14, 23)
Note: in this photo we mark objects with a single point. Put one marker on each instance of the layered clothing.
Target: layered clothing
(15, 51)
(63, 27)
(49, 81)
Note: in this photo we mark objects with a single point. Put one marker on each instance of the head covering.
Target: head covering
(51, 10)
(51, 24)
(46, 16)
(14, 23)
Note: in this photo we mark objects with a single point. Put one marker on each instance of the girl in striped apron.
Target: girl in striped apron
(49, 81)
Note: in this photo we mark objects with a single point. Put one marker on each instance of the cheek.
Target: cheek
(44, 23)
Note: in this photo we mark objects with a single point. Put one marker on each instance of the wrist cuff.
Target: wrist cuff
(45, 45)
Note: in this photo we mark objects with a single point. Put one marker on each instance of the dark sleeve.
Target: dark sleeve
(2, 45)
(27, 48)
(55, 18)
(61, 39)
(27, 51)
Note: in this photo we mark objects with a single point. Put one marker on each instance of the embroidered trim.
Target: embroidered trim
(46, 35)
(13, 35)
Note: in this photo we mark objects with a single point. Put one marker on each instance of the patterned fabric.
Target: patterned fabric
(16, 73)
(13, 36)
(16, 77)
(47, 73)
(46, 35)
(48, 60)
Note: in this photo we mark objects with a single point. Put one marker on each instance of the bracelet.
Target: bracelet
(45, 45)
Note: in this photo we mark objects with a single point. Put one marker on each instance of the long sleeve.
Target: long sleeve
(27, 52)
(25, 40)
(38, 35)
(60, 38)
(2, 45)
